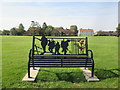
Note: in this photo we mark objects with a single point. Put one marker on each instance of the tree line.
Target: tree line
(14, 31)
(35, 30)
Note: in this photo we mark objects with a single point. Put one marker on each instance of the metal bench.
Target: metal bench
(60, 52)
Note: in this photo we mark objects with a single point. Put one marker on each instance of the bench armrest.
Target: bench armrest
(91, 53)
(30, 54)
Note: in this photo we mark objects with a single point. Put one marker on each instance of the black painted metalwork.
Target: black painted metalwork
(60, 52)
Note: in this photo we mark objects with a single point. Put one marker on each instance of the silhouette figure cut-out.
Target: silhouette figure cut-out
(57, 47)
(64, 45)
(44, 42)
(51, 45)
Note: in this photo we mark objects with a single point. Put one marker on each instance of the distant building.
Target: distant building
(85, 32)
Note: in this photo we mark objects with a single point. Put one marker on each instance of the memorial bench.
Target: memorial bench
(60, 52)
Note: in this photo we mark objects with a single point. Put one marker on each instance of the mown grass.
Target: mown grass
(0, 62)
(14, 66)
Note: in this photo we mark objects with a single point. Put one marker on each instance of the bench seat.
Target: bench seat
(62, 57)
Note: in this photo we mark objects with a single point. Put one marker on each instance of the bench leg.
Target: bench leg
(28, 71)
(33, 68)
(92, 74)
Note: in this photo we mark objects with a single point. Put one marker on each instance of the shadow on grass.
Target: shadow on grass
(104, 74)
(71, 76)
(74, 75)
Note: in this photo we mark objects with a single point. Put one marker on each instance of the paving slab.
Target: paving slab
(87, 74)
(33, 74)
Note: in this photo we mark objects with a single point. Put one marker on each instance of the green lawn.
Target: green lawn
(14, 65)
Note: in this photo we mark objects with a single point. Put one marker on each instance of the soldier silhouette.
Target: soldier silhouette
(57, 47)
(51, 45)
(64, 45)
(44, 42)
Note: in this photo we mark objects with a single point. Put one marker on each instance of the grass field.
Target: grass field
(14, 65)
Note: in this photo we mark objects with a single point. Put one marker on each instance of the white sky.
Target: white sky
(97, 15)
(59, 0)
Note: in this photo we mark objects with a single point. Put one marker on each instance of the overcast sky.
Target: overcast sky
(97, 15)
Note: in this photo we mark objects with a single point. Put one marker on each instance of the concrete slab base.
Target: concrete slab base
(87, 74)
(33, 74)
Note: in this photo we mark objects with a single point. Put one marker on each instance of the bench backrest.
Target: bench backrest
(49, 45)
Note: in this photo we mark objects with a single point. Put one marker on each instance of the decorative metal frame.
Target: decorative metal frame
(60, 52)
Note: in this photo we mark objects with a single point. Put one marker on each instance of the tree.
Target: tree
(20, 30)
(74, 27)
(21, 27)
(39, 31)
(49, 30)
(118, 30)
(35, 28)
(0, 32)
(13, 31)
(100, 33)
(58, 28)
(6, 32)
(44, 26)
